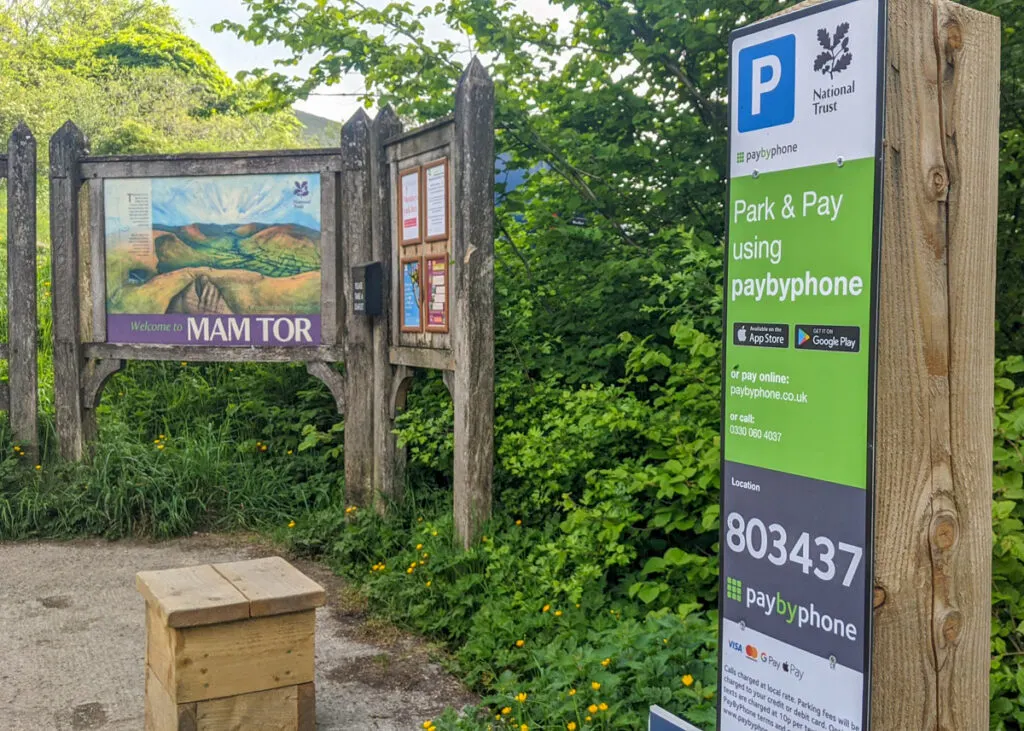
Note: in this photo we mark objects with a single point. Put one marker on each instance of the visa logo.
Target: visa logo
(767, 84)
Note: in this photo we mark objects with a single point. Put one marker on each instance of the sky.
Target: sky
(235, 55)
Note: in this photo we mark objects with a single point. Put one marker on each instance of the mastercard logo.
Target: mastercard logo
(751, 652)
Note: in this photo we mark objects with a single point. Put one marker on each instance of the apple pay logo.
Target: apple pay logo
(767, 84)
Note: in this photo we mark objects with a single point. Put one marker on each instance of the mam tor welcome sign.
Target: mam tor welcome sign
(798, 372)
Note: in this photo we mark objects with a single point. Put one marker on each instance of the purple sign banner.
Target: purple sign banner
(215, 330)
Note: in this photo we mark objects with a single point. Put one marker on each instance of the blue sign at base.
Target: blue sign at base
(662, 720)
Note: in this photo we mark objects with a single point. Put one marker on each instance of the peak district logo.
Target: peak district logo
(836, 57)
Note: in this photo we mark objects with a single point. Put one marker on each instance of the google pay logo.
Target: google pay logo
(767, 93)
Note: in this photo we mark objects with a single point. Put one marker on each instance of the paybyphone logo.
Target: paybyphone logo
(767, 84)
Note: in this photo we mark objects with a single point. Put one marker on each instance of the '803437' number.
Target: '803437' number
(757, 540)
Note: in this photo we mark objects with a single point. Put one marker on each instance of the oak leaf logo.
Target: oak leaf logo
(837, 56)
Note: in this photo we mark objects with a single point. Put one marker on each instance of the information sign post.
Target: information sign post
(804, 200)
(858, 349)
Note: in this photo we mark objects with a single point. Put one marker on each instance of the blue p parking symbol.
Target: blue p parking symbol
(767, 84)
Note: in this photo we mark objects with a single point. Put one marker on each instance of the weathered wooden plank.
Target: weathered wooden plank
(440, 360)
(98, 372)
(330, 263)
(85, 292)
(307, 707)
(161, 166)
(472, 314)
(23, 369)
(330, 377)
(162, 713)
(232, 658)
(421, 131)
(161, 642)
(66, 149)
(272, 586)
(206, 354)
(389, 460)
(97, 253)
(935, 353)
(192, 595)
(357, 247)
(268, 710)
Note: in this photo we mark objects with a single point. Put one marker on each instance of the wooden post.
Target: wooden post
(933, 546)
(67, 147)
(357, 248)
(21, 287)
(389, 460)
(473, 308)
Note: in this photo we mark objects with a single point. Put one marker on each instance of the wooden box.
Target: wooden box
(230, 646)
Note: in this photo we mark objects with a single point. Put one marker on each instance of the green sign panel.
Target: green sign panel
(800, 303)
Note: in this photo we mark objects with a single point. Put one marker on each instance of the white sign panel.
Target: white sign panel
(805, 89)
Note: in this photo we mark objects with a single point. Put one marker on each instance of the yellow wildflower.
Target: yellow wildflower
(571, 726)
(409, 570)
(524, 727)
(520, 643)
(595, 685)
(506, 710)
(572, 691)
(291, 523)
(546, 608)
(428, 583)
(587, 719)
(419, 546)
(521, 697)
(687, 680)
(603, 706)
(159, 446)
(606, 662)
(428, 724)
(592, 708)
(558, 612)
(519, 522)
(39, 467)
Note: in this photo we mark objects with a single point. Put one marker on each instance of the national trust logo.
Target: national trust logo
(836, 57)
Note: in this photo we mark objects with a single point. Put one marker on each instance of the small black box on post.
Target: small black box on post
(367, 292)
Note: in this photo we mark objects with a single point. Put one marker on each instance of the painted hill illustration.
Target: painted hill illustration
(204, 268)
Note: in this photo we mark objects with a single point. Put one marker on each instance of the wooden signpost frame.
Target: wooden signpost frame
(19, 395)
(360, 223)
(83, 360)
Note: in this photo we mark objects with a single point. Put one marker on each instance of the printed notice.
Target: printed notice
(436, 190)
(410, 204)
(412, 296)
(437, 294)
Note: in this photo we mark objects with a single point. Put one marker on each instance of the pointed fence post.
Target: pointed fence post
(473, 310)
(67, 147)
(357, 248)
(21, 288)
(389, 460)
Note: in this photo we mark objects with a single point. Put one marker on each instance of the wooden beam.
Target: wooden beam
(206, 354)
(440, 360)
(933, 546)
(357, 248)
(473, 306)
(237, 163)
(22, 318)
(389, 460)
(66, 150)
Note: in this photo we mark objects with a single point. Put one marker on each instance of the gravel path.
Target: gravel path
(72, 634)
